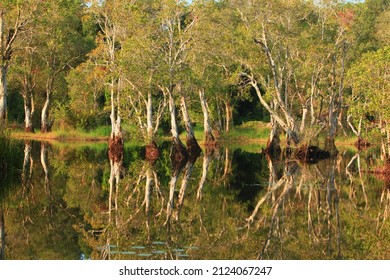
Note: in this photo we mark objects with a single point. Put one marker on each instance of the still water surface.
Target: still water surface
(72, 202)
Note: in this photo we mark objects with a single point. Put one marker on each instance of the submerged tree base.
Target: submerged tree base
(311, 154)
(151, 152)
(362, 144)
(179, 155)
(115, 148)
(29, 129)
(273, 149)
(193, 148)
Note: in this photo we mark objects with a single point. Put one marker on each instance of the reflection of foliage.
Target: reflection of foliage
(309, 216)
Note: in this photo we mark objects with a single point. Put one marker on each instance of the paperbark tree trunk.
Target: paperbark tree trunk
(115, 143)
(208, 131)
(45, 122)
(193, 148)
(3, 94)
(28, 113)
(178, 150)
(229, 116)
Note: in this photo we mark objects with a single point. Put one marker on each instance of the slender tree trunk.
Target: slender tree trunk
(3, 94)
(149, 118)
(229, 116)
(193, 148)
(151, 149)
(273, 145)
(29, 109)
(208, 131)
(115, 143)
(45, 122)
(304, 116)
(178, 151)
(330, 139)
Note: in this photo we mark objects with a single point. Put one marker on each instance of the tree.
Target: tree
(62, 46)
(175, 39)
(369, 102)
(139, 63)
(15, 19)
(111, 17)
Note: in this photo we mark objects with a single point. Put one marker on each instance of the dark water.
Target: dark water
(71, 202)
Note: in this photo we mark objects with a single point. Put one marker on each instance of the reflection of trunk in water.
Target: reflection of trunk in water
(27, 164)
(273, 185)
(177, 169)
(332, 199)
(115, 165)
(385, 204)
(45, 166)
(288, 181)
(352, 194)
(205, 168)
(184, 183)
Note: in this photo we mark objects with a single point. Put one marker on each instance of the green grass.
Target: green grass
(8, 159)
(252, 131)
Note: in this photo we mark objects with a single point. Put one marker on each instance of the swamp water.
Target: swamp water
(72, 202)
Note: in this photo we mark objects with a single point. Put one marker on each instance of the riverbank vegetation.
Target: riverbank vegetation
(299, 74)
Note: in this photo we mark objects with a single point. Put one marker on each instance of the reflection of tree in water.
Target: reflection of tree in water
(332, 222)
(245, 207)
(38, 221)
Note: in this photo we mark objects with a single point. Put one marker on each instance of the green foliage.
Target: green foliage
(370, 84)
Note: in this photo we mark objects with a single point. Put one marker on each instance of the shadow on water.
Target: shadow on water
(71, 203)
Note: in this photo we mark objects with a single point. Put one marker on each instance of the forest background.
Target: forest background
(295, 73)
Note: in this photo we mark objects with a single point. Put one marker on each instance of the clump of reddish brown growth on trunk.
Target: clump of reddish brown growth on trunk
(29, 129)
(178, 153)
(362, 144)
(115, 148)
(383, 173)
(151, 152)
(193, 148)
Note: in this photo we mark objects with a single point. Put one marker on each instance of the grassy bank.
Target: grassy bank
(252, 133)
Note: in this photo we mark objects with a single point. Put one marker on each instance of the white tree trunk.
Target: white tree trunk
(149, 118)
(29, 109)
(303, 121)
(186, 118)
(3, 93)
(172, 112)
(229, 116)
(208, 131)
(45, 123)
